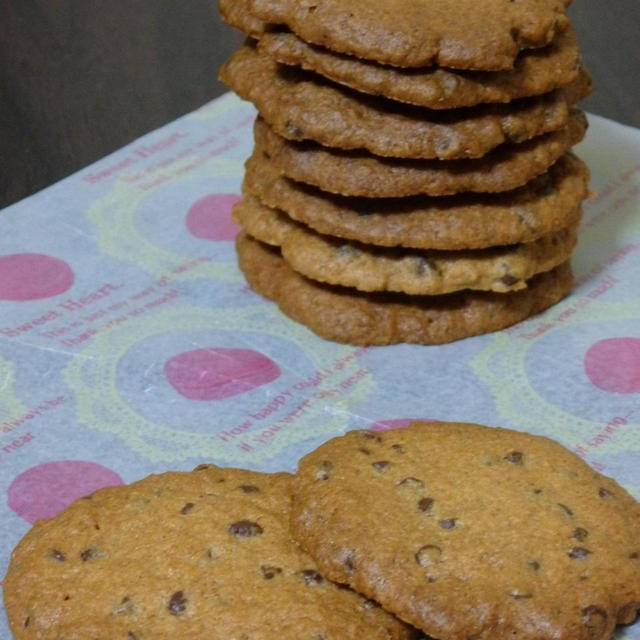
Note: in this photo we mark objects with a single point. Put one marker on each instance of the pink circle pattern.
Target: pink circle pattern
(210, 217)
(613, 364)
(45, 490)
(219, 373)
(33, 276)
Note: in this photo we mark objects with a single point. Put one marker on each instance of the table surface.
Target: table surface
(79, 80)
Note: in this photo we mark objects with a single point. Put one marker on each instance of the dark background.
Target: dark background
(81, 78)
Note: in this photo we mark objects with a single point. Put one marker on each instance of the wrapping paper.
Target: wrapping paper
(130, 343)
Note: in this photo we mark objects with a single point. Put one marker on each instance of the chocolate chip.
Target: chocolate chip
(270, 572)
(381, 465)
(177, 603)
(203, 467)
(534, 564)
(350, 562)
(370, 604)
(605, 493)
(311, 577)
(245, 529)
(410, 482)
(58, 555)
(90, 554)
(398, 448)
(565, 509)
(370, 435)
(27, 621)
(249, 488)
(508, 280)
(578, 553)
(449, 523)
(425, 504)
(580, 534)
(187, 507)
(634, 555)
(131, 636)
(428, 555)
(594, 618)
(367, 452)
(514, 457)
(325, 468)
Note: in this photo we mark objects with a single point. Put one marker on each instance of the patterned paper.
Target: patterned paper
(130, 343)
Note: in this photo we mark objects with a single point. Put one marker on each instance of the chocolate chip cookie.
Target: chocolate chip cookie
(181, 556)
(545, 205)
(357, 173)
(369, 268)
(349, 316)
(303, 106)
(468, 531)
(462, 34)
(536, 71)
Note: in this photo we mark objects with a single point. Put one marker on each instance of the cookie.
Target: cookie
(461, 34)
(361, 174)
(536, 71)
(352, 317)
(303, 106)
(468, 221)
(472, 531)
(236, 14)
(270, 226)
(369, 268)
(182, 556)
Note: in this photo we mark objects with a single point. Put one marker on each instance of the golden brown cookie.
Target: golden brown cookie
(468, 221)
(236, 13)
(352, 317)
(462, 34)
(303, 106)
(536, 71)
(369, 268)
(361, 174)
(270, 226)
(473, 532)
(181, 556)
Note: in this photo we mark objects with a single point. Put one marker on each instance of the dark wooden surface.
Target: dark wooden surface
(81, 78)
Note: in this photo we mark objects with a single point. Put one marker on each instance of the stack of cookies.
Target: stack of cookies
(412, 179)
(456, 530)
